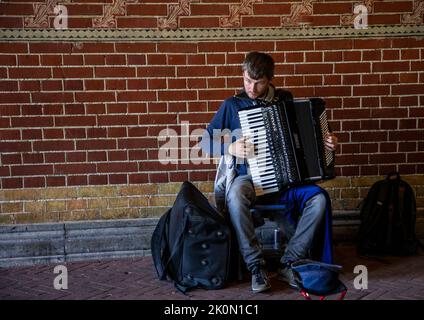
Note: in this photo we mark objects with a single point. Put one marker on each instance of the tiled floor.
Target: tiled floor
(129, 279)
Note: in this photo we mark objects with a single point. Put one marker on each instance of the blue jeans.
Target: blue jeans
(300, 236)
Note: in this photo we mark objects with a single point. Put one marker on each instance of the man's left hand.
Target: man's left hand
(331, 142)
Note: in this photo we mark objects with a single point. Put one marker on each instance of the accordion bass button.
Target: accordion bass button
(219, 233)
(204, 262)
(204, 246)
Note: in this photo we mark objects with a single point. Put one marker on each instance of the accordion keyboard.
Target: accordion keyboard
(261, 166)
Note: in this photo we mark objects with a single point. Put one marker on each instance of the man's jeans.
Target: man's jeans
(240, 199)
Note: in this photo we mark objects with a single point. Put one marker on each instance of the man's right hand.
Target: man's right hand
(242, 148)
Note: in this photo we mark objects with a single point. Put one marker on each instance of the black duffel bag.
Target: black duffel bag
(191, 244)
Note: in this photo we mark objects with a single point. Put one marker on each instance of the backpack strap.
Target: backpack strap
(178, 244)
(401, 192)
(367, 221)
(393, 173)
(161, 253)
(159, 246)
(394, 196)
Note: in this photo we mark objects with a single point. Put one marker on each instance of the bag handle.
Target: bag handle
(178, 244)
(159, 246)
(393, 173)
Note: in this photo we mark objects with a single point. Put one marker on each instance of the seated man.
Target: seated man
(234, 191)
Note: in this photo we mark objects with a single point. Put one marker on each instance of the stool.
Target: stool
(269, 234)
(267, 229)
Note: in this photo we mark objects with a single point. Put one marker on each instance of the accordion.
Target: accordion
(289, 144)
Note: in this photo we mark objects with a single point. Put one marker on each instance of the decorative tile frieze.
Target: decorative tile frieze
(300, 12)
(245, 7)
(416, 17)
(42, 12)
(174, 12)
(108, 20)
(207, 34)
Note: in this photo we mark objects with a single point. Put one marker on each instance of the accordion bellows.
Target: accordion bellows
(289, 143)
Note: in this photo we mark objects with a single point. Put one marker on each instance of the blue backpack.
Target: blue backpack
(318, 278)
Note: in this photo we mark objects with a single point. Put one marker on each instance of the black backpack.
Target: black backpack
(191, 244)
(388, 216)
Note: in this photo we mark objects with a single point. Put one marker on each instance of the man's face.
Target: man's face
(255, 88)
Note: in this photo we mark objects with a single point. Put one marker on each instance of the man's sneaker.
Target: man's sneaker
(260, 280)
(286, 274)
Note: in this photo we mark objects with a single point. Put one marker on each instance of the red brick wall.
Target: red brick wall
(79, 113)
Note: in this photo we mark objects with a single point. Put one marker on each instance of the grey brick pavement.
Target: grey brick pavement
(128, 279)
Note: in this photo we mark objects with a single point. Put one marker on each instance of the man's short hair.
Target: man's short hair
(259, 65)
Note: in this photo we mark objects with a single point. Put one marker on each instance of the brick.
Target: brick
(93, 192)
(124, 22)
(294, 57)
(155, 201)
(97, 179)
(117, 203)
(370, 90)
(388, 113)
(210, 46)
(14, 97)
(11, 207)
(405, 135)
(97, 203)
(136, 143)
(34, 182)
(384, 19)
(138, 178)
(75, 168)
(371, 43)
(171, 47)
(76, 204)
(74, 72)
(267, 46)
(390, 66)
(58, 47)
(94, 96)
(314, 68)
(364, 67)
(76, 180)
(336, 91)
(349, 193)
(146, 189)
(55, 206)
(116, 213)
(408, 89)
(117, 167)
(333, 44)
(170, 188)
(136, 47)
(36, 207)
(18, 47)
(393, 6)
(12, 183)
(37, 218)
(158, 177)
(338, 182)
(313, 56)
(138, 202)
(115, 72)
